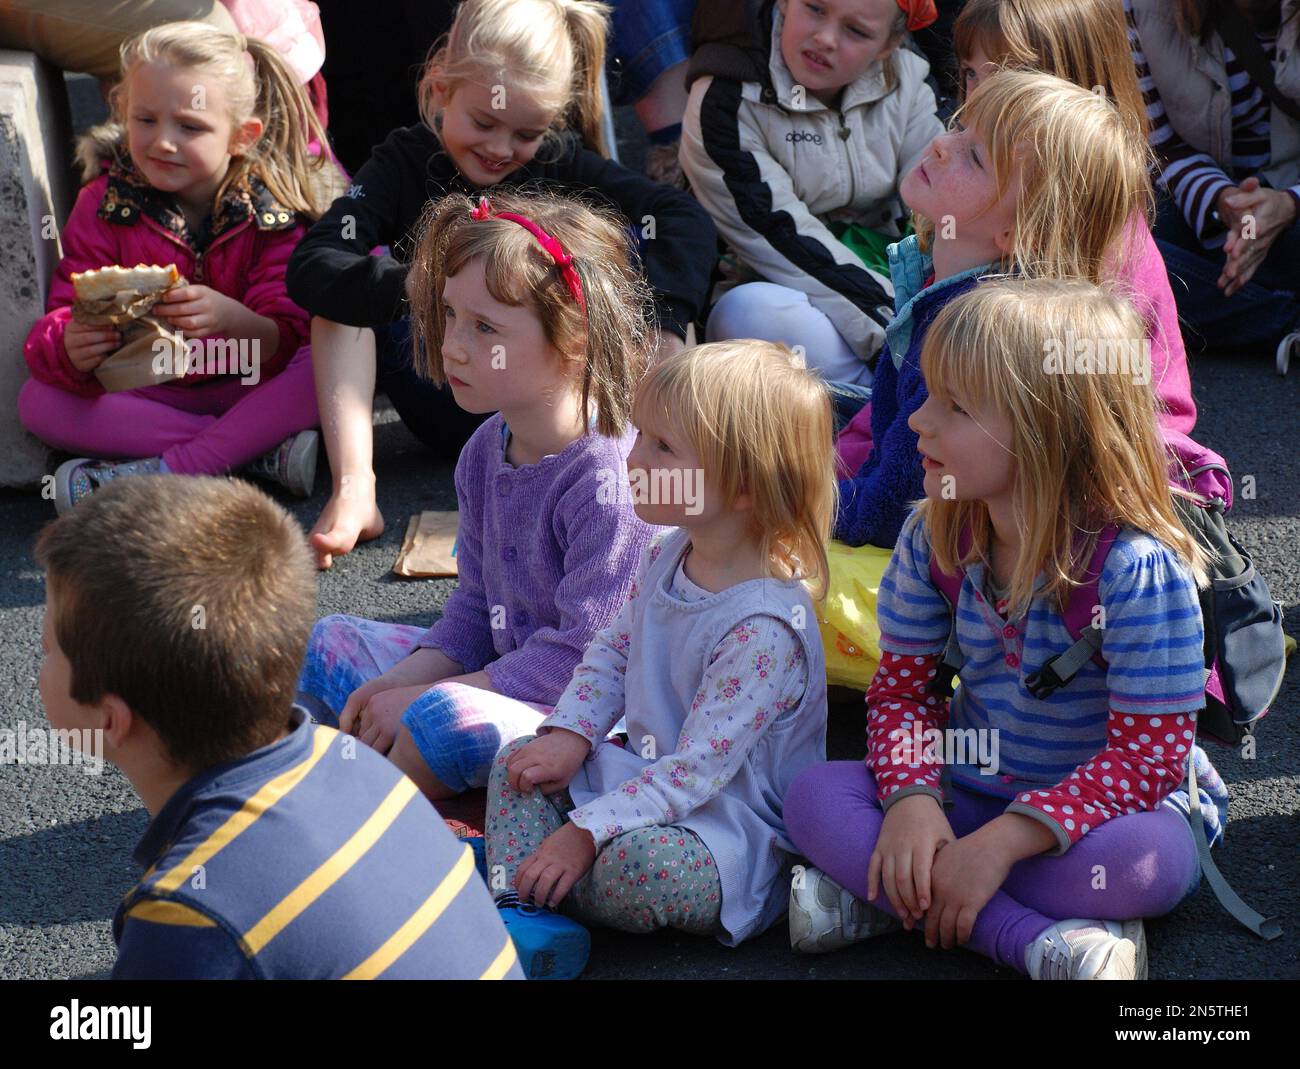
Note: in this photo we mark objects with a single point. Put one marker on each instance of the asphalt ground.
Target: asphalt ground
(66, 837)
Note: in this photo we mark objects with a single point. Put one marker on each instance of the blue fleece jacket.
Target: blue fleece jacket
(876, 501)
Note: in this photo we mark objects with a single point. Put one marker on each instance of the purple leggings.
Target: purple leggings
(206, 429)
(834, 817)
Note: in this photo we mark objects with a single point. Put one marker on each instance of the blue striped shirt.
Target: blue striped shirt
(1152, 644)
(312, 858)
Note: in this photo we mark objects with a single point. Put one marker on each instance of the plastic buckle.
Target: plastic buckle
(941, 685)
(1045, 682)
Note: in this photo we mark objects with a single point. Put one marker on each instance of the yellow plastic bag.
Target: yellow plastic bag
(847, 617)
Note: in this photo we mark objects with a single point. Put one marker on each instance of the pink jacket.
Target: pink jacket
(119, 220)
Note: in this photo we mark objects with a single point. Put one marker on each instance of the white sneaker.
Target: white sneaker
(1284, 350)
(824, 916)
(1089, 950)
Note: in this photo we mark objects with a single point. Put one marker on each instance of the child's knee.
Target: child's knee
(33, 400)
(739, 310)
(653, 878)
(331, 632)
(805, 802)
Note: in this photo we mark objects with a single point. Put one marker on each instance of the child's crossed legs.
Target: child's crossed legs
(1138, 865)
(642, 880)
(454, 729)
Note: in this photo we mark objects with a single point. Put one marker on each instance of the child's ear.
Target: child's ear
(441, 89)
(1003, 240)
(116, 719)
(245, 136)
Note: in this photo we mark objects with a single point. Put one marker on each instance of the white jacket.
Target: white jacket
(772, 164)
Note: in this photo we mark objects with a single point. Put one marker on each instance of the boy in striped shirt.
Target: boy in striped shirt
(177, 615)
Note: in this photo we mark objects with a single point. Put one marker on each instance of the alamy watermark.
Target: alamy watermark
(949, 746)
(1098, 356)
(83, 747)
(655, 486)
(209, 356)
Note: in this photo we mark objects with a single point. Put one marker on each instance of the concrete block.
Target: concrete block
(36, 194)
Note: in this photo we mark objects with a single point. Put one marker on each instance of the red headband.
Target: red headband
(920, 13)
(483, 210)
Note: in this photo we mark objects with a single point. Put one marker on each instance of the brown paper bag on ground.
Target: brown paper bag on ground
(429, 548)
(132, 365)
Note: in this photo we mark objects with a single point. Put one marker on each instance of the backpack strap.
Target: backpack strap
(1267, 928)
(1057, 671)
(950, 587)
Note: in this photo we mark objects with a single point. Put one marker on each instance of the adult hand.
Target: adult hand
(1256, 216)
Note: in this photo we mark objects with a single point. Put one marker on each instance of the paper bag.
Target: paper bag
(429, 548)
(151, 353)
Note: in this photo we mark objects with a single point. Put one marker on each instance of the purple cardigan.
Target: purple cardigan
(545, 557)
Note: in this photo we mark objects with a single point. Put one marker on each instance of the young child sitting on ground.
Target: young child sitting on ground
(1035, 479)
(713, 659)
(269, 834)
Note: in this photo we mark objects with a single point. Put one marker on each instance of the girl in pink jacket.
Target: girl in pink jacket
(206, 167)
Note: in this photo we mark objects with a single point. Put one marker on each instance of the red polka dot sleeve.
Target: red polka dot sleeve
(900, 710)
(1144, 760)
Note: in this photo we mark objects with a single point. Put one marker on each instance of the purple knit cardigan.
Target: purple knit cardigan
(546, 555)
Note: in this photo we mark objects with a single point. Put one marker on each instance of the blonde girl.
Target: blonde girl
(712, 665)
(526, 307)
(205, 166)
(1027, 470)
(1086, 42)
(1038, 177)
(510, 98)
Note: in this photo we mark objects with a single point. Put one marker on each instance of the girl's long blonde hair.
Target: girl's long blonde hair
(1082, 41)
(259, 84)
(1083, 166)
(1087, 451)
(553, 50)
(611, 340)
(760, 423)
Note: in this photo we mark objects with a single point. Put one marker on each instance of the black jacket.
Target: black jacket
(335, 277)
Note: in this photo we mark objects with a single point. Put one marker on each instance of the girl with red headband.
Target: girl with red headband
(511, 98)
(799, 128)
(529, 308)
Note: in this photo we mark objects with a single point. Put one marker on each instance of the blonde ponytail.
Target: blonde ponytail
(553, 50)
(587, 24)
(280, 157)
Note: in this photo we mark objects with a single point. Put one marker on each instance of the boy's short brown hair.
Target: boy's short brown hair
(189, 598)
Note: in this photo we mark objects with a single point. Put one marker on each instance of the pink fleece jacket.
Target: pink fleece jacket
(118, 220)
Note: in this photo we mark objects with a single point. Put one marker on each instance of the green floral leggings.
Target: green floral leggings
(650, 878)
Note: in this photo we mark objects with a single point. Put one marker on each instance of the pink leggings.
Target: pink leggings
(206, 429)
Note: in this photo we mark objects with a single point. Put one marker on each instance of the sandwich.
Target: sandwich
(117, 296)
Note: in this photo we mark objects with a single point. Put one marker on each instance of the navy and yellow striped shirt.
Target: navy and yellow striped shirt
(313, 858)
